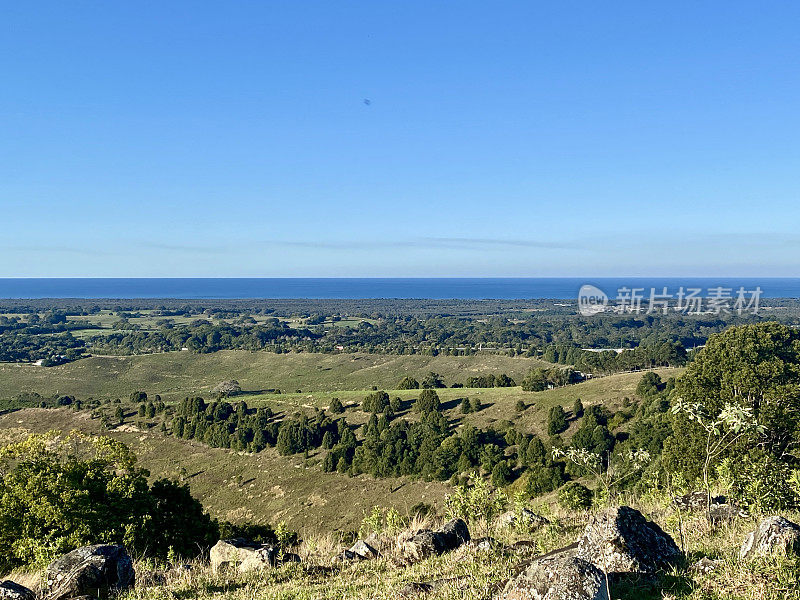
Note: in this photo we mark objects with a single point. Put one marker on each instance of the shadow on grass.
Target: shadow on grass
(635, 586)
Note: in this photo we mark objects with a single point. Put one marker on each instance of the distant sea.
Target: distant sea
(501, 288)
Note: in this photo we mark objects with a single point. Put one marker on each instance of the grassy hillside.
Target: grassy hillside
(263, 487)
(269, 487)
(177, 374)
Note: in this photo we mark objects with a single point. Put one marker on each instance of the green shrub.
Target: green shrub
(556, 420)
(57, 494)
(428, 401)
(575, 496)
(408, 383)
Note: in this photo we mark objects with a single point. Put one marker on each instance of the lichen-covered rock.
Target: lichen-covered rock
(432, 543)
(243, 555)
(10, 590)
(773, 534)
(558, 576)
(621, 540)
(725, 513)
(524, 518)
(696, 501)
(100, 571)
(364, 550)
(704, 566)
(721, 510)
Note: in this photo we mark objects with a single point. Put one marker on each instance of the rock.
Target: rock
(523, 518)
(704, 566)
(557, 576)
(432, 543)
(14, 591)
(364, 550)
(696, 501)
(725, 513)
(100, 570)
(721, 510)
(453, 534)
(346, 556)
(621, 540)
(290, 557)
(773, 534)
(418, 588)
(415, 588)
(485, 543)
(242, 554)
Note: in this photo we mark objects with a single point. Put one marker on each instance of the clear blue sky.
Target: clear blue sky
(500, 138)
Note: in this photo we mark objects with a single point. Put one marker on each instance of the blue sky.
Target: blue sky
(500, 138)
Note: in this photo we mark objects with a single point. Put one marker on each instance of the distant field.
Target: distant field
(177, 374)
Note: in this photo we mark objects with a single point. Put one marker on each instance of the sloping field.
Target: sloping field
(264, 487)
(177, 374)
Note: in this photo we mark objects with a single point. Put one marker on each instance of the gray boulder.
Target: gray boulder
(704, 566)
(696, 501)
(346, 556)
(100, 571)
(433, 543)
(621, 540)
(364, 550)
(773, 534)
(524, 518)
(721, 510)
(557, 576)
(243, 555)
(14, 591)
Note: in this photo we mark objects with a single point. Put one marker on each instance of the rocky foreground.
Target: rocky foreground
(616, 544)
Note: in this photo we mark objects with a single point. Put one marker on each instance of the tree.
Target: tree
(521, 406)
(375, 402)
(57, 494)
(502, 474)
(336, 406)
(575, 496)
(556, 420)
(577, 408)
(428, 401)
(649, 385)
(227, 388)
(466, 407)
(755, 368)
(722, 433)
(504, 380)
(432, 381)
(408, 383)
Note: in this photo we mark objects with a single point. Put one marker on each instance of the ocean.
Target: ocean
(501, 288)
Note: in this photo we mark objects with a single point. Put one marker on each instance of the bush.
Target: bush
(575, 496)
(54, 499)
(336, 406)
(375, 402)
(408, 383)
(544, 478)
(556, 420)
(502, 474)
(428, 401)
